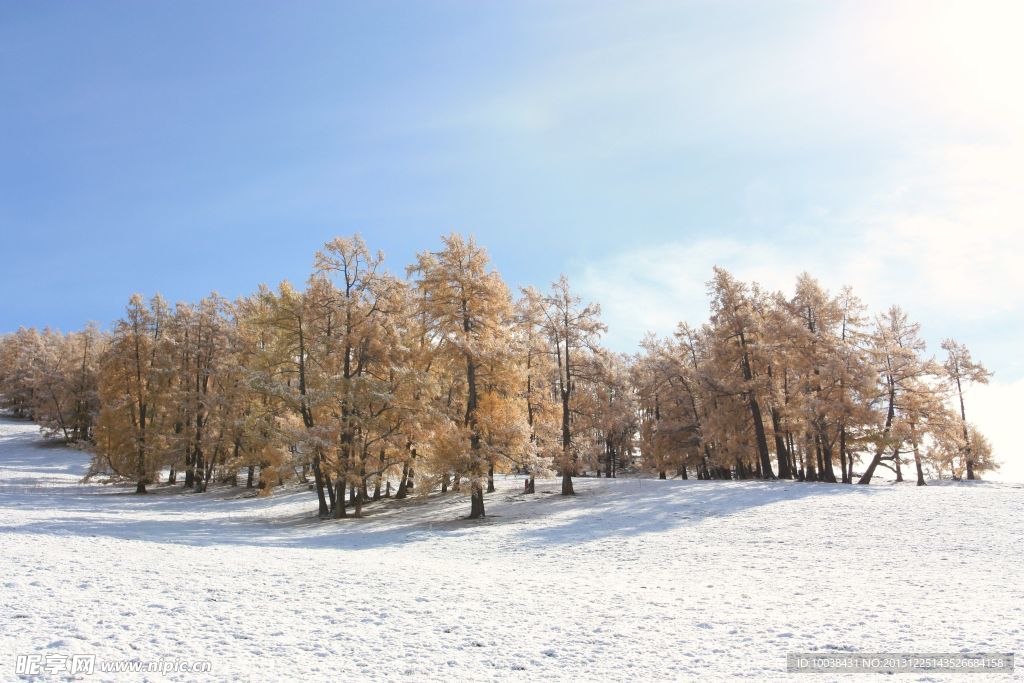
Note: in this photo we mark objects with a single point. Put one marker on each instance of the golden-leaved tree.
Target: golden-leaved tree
(135, 381)
(469, 309)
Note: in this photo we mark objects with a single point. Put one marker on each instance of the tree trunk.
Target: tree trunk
(967, 436)
(339, 499)
(476, 505)
(329, 488)
(379, 475)
(490, 478)
(755, 415)
(190, 468)
(402, 485)
(567, 489)
(870, 471)
(810, 474)
(842, 455)
(829, 474)
(781, 452)
(318, 476)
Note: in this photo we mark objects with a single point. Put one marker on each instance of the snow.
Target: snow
(630, 579)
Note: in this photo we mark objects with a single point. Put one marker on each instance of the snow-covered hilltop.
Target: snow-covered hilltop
(629, 579)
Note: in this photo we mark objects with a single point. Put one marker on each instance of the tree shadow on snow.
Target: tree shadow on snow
(641, 506)
(287, 519)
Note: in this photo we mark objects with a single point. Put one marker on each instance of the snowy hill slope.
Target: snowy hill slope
(661, 580)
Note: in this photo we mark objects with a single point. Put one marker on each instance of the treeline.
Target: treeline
(367, 385)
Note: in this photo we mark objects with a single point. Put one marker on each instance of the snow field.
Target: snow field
(632, 579)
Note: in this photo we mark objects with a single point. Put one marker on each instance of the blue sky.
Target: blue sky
(193, 146)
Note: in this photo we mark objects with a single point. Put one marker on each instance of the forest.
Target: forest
(365, 384)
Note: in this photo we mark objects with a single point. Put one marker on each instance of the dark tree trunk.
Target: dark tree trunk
(190, 469)
(380, 474)
(403, 487)
(490, 478)
(967, 437)
(828, 474)
(567, 489)
(338, 499)
(476, 505)
(248, 478)
(781, 452)
(810, 473)
(319, 478)
(890, 413)
(755, 415)
(329, 488)
(917, 463)
(842, 455)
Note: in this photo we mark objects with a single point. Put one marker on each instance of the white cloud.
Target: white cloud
(953, 268)
(940, 227)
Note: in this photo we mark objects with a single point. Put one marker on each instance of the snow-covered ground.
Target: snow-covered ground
(632, 579)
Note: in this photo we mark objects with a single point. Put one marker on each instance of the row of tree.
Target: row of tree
(362, 379)
(795, 386)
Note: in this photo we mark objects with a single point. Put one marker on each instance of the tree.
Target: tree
(542, 409)
(469, 310)
(573, 329)
(291, 370)
(665, 388)
(897, 349)
(735, 325)
(963, 370)
(134, 382)
(356, 327)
